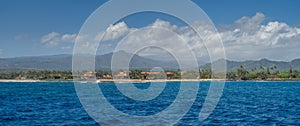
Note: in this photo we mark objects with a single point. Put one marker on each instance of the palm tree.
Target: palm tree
(262, 68)
(241, 73)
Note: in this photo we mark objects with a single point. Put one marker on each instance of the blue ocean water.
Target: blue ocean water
(242, 103)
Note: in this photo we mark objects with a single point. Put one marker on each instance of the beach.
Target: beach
(158, 80)
(9, 80)
(118, 80)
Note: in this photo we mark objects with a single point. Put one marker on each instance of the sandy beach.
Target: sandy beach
(121, 80)
(21, 81)
(172, 80)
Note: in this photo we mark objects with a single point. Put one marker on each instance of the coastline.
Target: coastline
(158, 80)
(9, 80)
(116, 80)
(145, 81)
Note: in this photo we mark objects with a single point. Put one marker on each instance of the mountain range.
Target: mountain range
(64, 62)
(252, 64)
(103, 62)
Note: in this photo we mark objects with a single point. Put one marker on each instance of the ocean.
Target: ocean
(242, 103)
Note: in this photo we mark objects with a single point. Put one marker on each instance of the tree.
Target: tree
(205, 74)
(262, 74)
(251, 75)
(190, 74)
(268, 71)
(291, 72)
(135, 74)
(177, 74)
(262, 68)
(241, 73)
(283, 75)
(231, 76)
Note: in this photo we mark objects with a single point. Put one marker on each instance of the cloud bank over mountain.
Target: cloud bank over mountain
(248, 38)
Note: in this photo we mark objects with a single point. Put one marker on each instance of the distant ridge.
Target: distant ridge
(64, 62)
(252, 64)
(103, 62)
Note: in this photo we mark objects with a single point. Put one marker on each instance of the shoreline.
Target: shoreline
(145, 81)
(116, 80)
(9, 80)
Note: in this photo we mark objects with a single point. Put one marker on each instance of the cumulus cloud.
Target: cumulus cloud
(114, 32)
(249, 24)
(161, 40)
(68, 37)
(251, 39)
(54, 38)
(248, 38)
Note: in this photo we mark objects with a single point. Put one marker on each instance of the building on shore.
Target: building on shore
(156, 75)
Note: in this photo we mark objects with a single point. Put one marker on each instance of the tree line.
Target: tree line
(262, 73)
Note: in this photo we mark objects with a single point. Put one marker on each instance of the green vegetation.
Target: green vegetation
(261, 73)
(269, 73)
(38, 75)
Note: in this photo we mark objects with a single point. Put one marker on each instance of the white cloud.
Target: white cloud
(68, 37)
(255, 40)
(1, 51)
(49, 37)
(164, 24)
(54, 39)
(158, 36)
(245, 39)
(114, 32)
(250, 24)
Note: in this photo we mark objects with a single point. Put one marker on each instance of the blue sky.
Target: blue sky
(25, 22)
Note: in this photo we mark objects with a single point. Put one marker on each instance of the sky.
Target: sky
(250, 29)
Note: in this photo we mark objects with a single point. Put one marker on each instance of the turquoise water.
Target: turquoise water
(242, 103)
